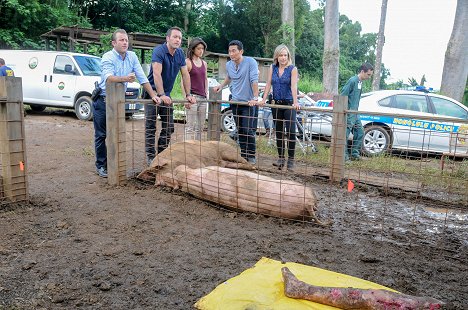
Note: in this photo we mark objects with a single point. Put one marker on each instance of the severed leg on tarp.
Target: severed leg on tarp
(353, 298)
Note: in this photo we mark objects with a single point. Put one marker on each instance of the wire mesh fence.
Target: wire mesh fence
(394, 189)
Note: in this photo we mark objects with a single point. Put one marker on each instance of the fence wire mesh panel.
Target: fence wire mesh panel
(394, 190)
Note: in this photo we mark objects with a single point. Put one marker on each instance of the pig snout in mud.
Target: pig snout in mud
(245, 190)
(195, 154)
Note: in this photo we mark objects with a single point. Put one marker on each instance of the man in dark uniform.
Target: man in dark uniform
(4, 69)
(167, 60)
(353, 89)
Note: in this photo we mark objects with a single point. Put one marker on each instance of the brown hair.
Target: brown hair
(169, 31)
(193, 44)
(114, 35)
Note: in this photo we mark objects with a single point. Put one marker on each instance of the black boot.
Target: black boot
(279, 163)
(290, 165)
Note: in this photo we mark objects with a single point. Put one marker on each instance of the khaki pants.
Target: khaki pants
(195, 119)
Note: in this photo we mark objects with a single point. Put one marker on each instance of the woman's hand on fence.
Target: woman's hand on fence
(187, 105)
(156, 99)
(261, 103)
(191, 99)
(296, 106)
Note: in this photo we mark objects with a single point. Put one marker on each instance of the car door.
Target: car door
(446, 108)
(62, 81)
(411, 132)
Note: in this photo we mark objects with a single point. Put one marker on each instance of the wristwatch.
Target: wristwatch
(188, 95)
(160, 95)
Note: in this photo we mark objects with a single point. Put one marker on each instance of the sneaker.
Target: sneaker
(290, 165)
(149, 160)
(279, 163)
(252, 160)
(102, 172)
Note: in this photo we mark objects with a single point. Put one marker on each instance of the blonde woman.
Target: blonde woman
(282, 77)
(197, 68)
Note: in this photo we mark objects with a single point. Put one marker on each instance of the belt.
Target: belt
(282, 102)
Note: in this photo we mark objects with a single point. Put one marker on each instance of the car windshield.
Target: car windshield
(90, 66)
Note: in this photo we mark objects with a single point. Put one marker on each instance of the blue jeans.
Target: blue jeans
(246, 122)
(167, 128)
(266, 117)
(354, 125)
(99, 121)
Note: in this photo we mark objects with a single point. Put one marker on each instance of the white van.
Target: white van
(61, 79)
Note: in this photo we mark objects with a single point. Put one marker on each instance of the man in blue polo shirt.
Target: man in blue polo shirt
(167, 60)
(242, 76)
(121, 66)
(4, 69)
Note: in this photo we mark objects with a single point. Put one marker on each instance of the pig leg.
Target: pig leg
(353, 298)
(236, 165)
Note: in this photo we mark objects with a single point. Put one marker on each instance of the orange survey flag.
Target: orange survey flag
(350, 186)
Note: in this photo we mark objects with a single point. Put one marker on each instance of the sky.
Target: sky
(416, 34)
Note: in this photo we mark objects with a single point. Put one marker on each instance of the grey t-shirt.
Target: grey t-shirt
(242, 78)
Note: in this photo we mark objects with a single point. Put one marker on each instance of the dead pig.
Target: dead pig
(244, 190)
(195, 154)
(354, 298)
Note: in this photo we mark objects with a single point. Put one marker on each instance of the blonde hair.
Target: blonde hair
(277, 52)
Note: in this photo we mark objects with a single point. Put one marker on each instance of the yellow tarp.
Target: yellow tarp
(261, 287)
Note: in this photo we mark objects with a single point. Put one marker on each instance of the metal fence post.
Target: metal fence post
(214, 115)
(12, 140)
(339, 139)
(116, 134)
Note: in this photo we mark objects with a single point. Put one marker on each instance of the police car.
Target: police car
(407, 132)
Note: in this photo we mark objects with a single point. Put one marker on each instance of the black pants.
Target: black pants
(285, 119)
(167, 127)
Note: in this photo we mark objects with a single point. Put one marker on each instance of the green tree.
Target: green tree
(23, 21)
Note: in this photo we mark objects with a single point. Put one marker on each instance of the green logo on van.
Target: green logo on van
(33, 63)
(61, 85)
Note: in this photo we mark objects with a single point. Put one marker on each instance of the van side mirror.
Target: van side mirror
(69, 69)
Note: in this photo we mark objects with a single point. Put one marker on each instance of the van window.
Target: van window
(64, 65)
(90, 66)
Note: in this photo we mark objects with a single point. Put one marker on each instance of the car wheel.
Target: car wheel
(228, 122)
(376, 141)
(37, 108)
(83, 108)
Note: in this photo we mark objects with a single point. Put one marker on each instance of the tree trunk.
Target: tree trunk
(188, 8)
(331, 48)
(380, 44)
(456, 57)
(287, 18)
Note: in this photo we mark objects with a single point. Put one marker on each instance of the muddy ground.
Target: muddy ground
(83, 244)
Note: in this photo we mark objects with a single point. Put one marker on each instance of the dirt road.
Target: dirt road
(83, 244)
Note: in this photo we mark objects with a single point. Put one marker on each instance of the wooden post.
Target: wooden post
(214, 115)
(12, 140)
(339, 139)
(116, 134)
